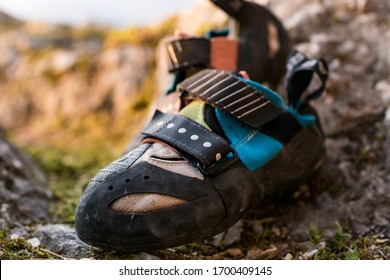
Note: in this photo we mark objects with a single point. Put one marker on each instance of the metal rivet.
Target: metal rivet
(160, 123)
(194, 137)
(170, 125)
(218, 157)
(182, 130)
(207, 144)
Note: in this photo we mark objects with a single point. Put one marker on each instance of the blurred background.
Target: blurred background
(77, 79)
(118, 13)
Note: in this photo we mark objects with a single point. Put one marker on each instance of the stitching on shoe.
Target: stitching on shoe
(246, 139)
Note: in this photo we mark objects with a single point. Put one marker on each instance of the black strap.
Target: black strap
(300, 73)
(231, 7)
(187, 52)
(228, 93)
(189, 137)
(282, 128)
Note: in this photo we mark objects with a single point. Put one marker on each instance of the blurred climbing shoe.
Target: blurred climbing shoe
(197, 172)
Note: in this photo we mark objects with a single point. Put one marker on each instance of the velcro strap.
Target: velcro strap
(300, 75)
(228, 93)
(189, 137)
(187, 52)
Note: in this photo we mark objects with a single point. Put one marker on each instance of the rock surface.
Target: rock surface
(49, 78)
(24, 195)
(62, 240)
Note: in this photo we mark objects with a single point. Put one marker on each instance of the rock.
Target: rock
(24, 195)
(309, 255)
(301, 18)
(121, 72)
(8, 21)
(233, 234)
(147, 257)
(336, 148)
(14, 236)
(383, 89)
(34, 242)
(62, 240)
(234, 253)
(256, 254)
(43, 84)
(227, 238)
(258, 228)
(64, 60)
(387, 117)
(215, 240)
(321, 246)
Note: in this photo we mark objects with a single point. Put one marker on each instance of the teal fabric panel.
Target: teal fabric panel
(252, 147)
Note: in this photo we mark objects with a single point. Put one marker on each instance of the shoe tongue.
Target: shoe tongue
(196, 111)
(203, 114)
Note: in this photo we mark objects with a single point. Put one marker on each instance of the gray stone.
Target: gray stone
(383, 89)
(233, 234)
(309, 255)
(34, 242)
(147, 257)
(215, 240)
(227, 238)
(24, 195)
(62, 240)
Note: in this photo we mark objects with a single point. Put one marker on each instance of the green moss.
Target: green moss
(19, 249)
(314, 235)
(140, 105)
(146, 94)
(352, 255)
(147, 36)
(90, 32)
(53, 77)
(343, 247)
(38, 54)
(340, 238)
(83, 64)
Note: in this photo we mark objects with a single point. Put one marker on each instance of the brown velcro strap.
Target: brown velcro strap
(227, 92)
(186, 52)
